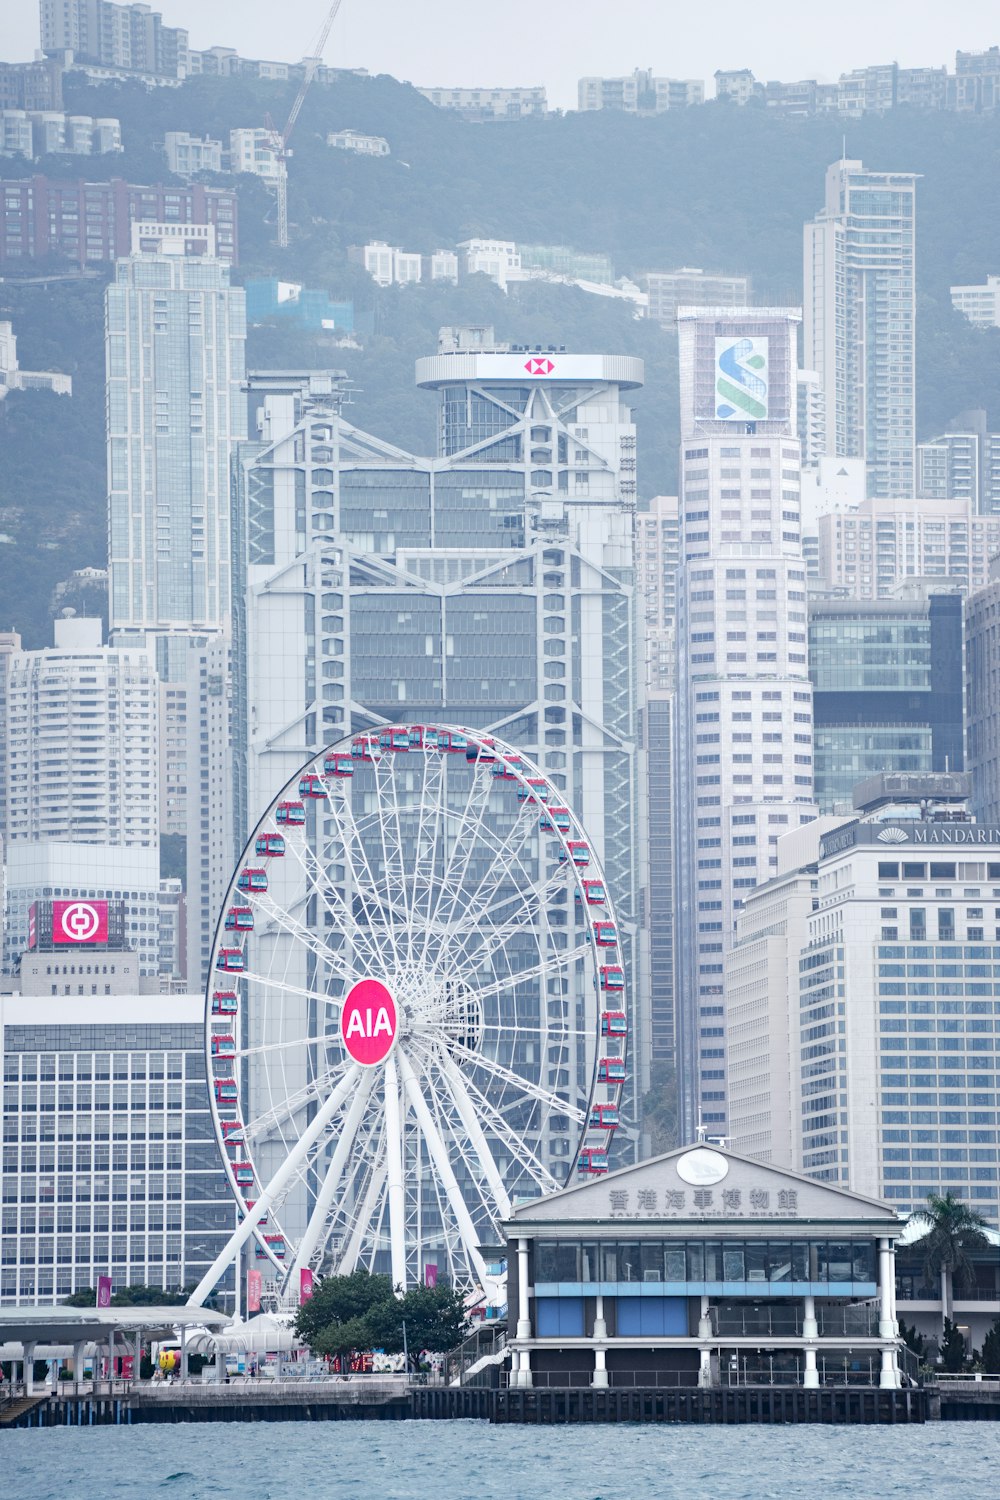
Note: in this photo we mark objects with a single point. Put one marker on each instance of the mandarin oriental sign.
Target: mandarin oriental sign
(901, 836)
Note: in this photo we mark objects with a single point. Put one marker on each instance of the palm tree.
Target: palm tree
(952, 1230)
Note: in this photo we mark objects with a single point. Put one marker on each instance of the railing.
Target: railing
(617, 1379)
(907, 1292)
(859, 1320)
(979, 1381)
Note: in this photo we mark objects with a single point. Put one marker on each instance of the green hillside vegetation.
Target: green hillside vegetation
(715, 186)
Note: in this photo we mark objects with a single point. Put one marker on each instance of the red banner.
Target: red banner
(430, 1274)
(305, 1284)
(79, 922)
(254, 1285)
(103, 1291)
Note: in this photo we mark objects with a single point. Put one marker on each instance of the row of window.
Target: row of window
(705, 1260)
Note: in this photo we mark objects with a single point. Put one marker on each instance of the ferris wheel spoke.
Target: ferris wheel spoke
(551, 964)
(552, 1102)
(332, 902)
(473, 1130)
(334, 1172)
(265, 1125)
(463, 843)
(442, 1165)
(368, 1193)
(354, 842)
(288, 925)
(394, 1160)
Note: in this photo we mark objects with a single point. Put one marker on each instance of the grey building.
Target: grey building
(982, 688)
(887, 689)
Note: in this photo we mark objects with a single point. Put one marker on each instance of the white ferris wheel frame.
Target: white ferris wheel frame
(429, 1077)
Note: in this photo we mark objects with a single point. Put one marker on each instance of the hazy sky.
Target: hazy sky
(451, 42)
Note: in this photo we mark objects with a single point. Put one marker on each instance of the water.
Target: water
(473, 1461)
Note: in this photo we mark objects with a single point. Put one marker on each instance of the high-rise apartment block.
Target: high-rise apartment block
(131, 38)
(869, 552)
(691, 287)
(82, 783)
(90, 222)
(859, 320)
(175, 340)
(982, 696)
(640, 93)
(980, 304)
(962, 463)
(744, 704)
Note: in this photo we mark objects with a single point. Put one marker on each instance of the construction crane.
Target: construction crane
(282, 152)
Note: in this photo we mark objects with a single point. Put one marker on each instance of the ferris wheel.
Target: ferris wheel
(416, 1009)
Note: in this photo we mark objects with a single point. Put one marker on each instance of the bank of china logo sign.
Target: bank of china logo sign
(80, 921)
(893, 836)
(741, 380)
(539, 365)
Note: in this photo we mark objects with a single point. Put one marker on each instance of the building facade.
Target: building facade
(872, 550)
(702, 1268)
(887, 689)
(490, 104)
(982, 698)
(691, 287)
(859, 320)
(87, 223)
(980, 303)
(744, 758)
(962, 464)
(131, 38)
(110, 1166)
(641, 93)
(175, 341)
(189, 154)
(82, 783)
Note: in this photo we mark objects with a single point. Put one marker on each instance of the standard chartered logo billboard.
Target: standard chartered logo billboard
(741, 379)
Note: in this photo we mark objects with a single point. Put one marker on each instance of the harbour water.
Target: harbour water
(473, 1461)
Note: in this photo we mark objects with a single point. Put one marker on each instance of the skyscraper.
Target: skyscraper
(175, 340)
(744, 703)
(859, 322)
(491, 586)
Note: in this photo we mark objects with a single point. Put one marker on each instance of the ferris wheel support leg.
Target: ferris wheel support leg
(331, 1181)
(394, 1161)
(281, 1177)
(473, 1129)
(439, 1156)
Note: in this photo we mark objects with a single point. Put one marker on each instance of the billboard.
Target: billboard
(741, 379)
(76, 923)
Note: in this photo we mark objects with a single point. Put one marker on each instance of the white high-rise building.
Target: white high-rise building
(82, 782)
(860, 317)
(175, 341)
(744, 770)
(870, 551)
(980, 304)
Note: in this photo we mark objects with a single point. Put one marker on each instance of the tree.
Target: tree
(362, 1312)
(990, 1356)
(914, 1341)
(952, 1230)
(136, 1295)
(338, 1310)
(435, 1318)
(953, 1348)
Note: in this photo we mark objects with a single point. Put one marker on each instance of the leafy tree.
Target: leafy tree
(435, 1318)
(953, 1229)
(991, 1349)
(339, 1302)
(954, 1351)
(360, 1311)
(914, 1341)
(136, 1295)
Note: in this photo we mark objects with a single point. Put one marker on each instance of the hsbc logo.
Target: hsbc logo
(539, 365)
(78, 922)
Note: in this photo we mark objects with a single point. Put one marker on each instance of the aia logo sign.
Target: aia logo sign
(539, 364)
(368, 1022)
(80, 921)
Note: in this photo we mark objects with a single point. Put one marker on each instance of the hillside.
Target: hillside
(716, 186)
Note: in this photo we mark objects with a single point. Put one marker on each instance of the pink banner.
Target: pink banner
(254, 1284)
(430, 1274)
(104, 1291)
(305, 1284)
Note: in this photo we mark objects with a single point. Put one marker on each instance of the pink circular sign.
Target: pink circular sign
(368, 1022)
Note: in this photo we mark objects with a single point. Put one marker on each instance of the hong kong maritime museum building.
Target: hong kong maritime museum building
(703, 1268)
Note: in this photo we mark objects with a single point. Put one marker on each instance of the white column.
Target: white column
(705, 1320)
(810, 1378)
(889, 1378)
(29, 1366)
(886, 1278)
(810, 1328)
(600, 1323)
(600, 1368)
(394, 1159)
(78, 1366)
(523, 1311)
(705, 1368)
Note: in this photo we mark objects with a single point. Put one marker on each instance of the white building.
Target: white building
(443, 265)
(497, 259)
(689, 286)
(744, 772)
(13, 378)
(362, 145)
(860, 317)
(211, 846)
(869, 551)
(175, 341)
(189, 154)
(258, 151)
(490, 104)
(640, 93)
(980, 304)
(135, 1187)
(82, 781)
